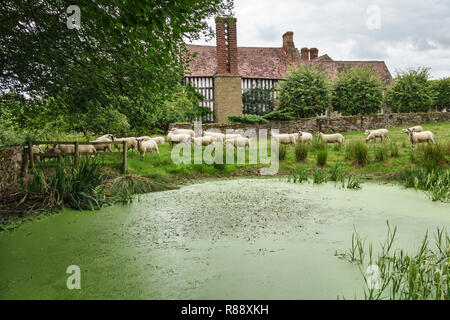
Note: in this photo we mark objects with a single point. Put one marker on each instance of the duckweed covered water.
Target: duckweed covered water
(232, 239)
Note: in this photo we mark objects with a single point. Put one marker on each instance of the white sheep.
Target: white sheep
(178, 138)
(218, 135)
(183, 131)
(131, 142)
(332, 138)
(419, 137)
(158, 140)
(204, 141)
(231, 136)
(70, 148)
(285, 138)
(379, 133)
(101, 146)
(239, 142)
(416, 129)
(304, 136)
(146, 146)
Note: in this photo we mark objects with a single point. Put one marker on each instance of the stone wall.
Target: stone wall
(333, 124)
(10, 166)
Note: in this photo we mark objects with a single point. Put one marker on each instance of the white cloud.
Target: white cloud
(412, 33)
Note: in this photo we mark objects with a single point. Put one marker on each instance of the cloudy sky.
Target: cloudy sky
(403, 33)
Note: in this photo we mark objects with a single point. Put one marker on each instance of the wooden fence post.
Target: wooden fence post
(76, 153)
(25, 163)
(125, 152)
(30, 154)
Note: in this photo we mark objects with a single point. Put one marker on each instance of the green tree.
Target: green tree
(441, 90)
(357, 91)
(411, 92)
(132, 49)
(304, 93)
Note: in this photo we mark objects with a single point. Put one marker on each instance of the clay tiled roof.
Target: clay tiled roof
(271, 63)
(260, 63)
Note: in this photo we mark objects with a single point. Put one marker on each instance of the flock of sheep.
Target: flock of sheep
(148, 144)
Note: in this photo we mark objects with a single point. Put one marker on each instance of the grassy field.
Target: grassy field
(163, 169)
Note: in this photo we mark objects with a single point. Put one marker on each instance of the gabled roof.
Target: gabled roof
(272, 63)
(259, 63)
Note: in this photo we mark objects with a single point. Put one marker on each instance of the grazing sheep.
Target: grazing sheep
(286, 138)
(158, 140)
(106, 146)
(239, 142)
(379, 133)
(416, 129)
(218, 135)
(332, 138)
(49, 153)
(178, 138)
(204, 141)
(70, 148)
(131, 142)
(183, 131)
(419, 137)
(146, 146)
(231, 136)
(304, 136)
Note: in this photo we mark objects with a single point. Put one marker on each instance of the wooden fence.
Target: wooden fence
(29, 158)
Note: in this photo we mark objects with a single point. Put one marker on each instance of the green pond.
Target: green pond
(231, 239)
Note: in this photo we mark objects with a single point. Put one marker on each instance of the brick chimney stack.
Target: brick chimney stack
(305, 54)
(226, 44)
(289, 46)
(227, 81)
(313, 53)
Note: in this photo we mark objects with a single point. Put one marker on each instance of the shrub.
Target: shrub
(410, 92)
(249, 118)
(321, 157)
(279, 115)
(357, 91)
(304, 93)
(358, 152)
(301, 151)
(441, 89)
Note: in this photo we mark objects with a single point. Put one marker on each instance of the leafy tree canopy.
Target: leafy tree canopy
(411, 91)
(132, 49)
(357, 91)
(441, 90)
(304, 93)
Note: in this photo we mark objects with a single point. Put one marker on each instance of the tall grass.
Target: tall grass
(321, 157)
(358, 152)
(381, 153)
(435, 183)
(430, 156)
(282, 152)
(301, 151)
(401, 275)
